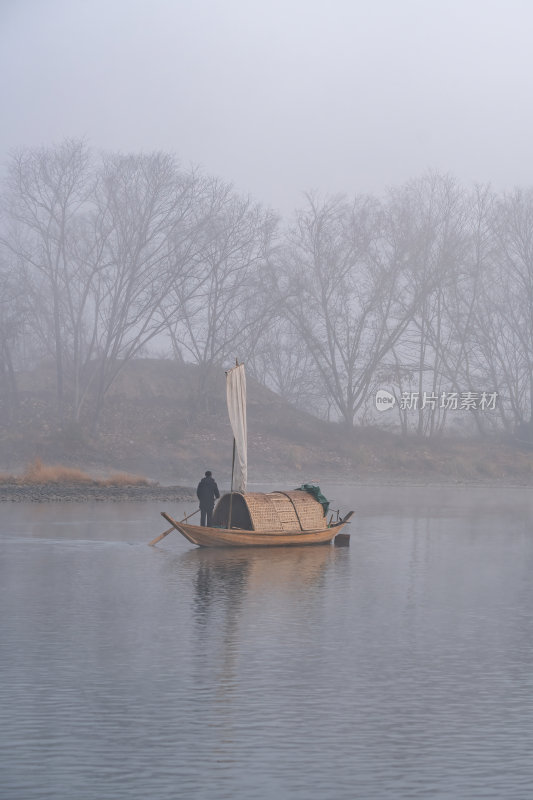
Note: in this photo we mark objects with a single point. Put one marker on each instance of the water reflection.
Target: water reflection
(400, 667)
(219, 586)
(247, 607)
(219, 577)
(226, 576)
(222, 580)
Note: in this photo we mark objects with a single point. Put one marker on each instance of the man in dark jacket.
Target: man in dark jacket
(206, 492)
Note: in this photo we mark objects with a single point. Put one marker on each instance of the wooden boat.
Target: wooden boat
(264, 520)
(244, 519)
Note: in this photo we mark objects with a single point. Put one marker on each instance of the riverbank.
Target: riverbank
(79, 493)
(53, 492)
(158, 421)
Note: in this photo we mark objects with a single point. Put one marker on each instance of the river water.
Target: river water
(399, 667)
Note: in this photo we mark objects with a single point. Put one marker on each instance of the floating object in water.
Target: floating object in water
(342, 540)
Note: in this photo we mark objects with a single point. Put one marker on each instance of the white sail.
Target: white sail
(236, 398)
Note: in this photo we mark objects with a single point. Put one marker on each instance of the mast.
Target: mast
(231, 491)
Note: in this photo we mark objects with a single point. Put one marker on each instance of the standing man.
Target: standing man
(206, 492)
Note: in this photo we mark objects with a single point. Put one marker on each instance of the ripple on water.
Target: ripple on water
(400, 667)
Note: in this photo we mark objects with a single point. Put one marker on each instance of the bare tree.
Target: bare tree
(504, 322)
(47, 191)
(463, 361)
(222, 303)
(143, 206)
(426, 221)
(341, 289)
(430, 288)
(13, 320)
(282, 362)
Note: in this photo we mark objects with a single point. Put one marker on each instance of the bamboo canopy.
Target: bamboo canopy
(282, 511)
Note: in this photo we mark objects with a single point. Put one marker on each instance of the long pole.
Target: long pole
(231, 493)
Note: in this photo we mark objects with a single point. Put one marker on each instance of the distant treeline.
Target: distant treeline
(426, 292)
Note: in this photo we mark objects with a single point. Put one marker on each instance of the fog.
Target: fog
(279, 97)
(155, 152)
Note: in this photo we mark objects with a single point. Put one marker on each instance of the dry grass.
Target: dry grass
(123, 479)
(37, 473)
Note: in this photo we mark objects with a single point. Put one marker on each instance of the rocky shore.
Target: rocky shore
(79, 493)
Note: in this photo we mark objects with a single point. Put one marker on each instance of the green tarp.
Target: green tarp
(311, 488)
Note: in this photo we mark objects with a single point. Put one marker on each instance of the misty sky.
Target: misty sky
(279, 96)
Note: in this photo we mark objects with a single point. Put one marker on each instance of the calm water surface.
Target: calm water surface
(400, 667)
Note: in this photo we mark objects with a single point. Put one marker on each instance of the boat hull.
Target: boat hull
(223, 537)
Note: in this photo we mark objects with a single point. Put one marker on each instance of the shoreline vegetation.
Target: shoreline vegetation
(38, 473)
(41, 482)
(161, 429)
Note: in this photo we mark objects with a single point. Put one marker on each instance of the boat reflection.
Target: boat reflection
(231, 587)
(227, 575)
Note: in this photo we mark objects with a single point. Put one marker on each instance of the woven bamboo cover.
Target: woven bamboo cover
(288, 517)
(285, 511)
(263, 511)
(309, 510)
